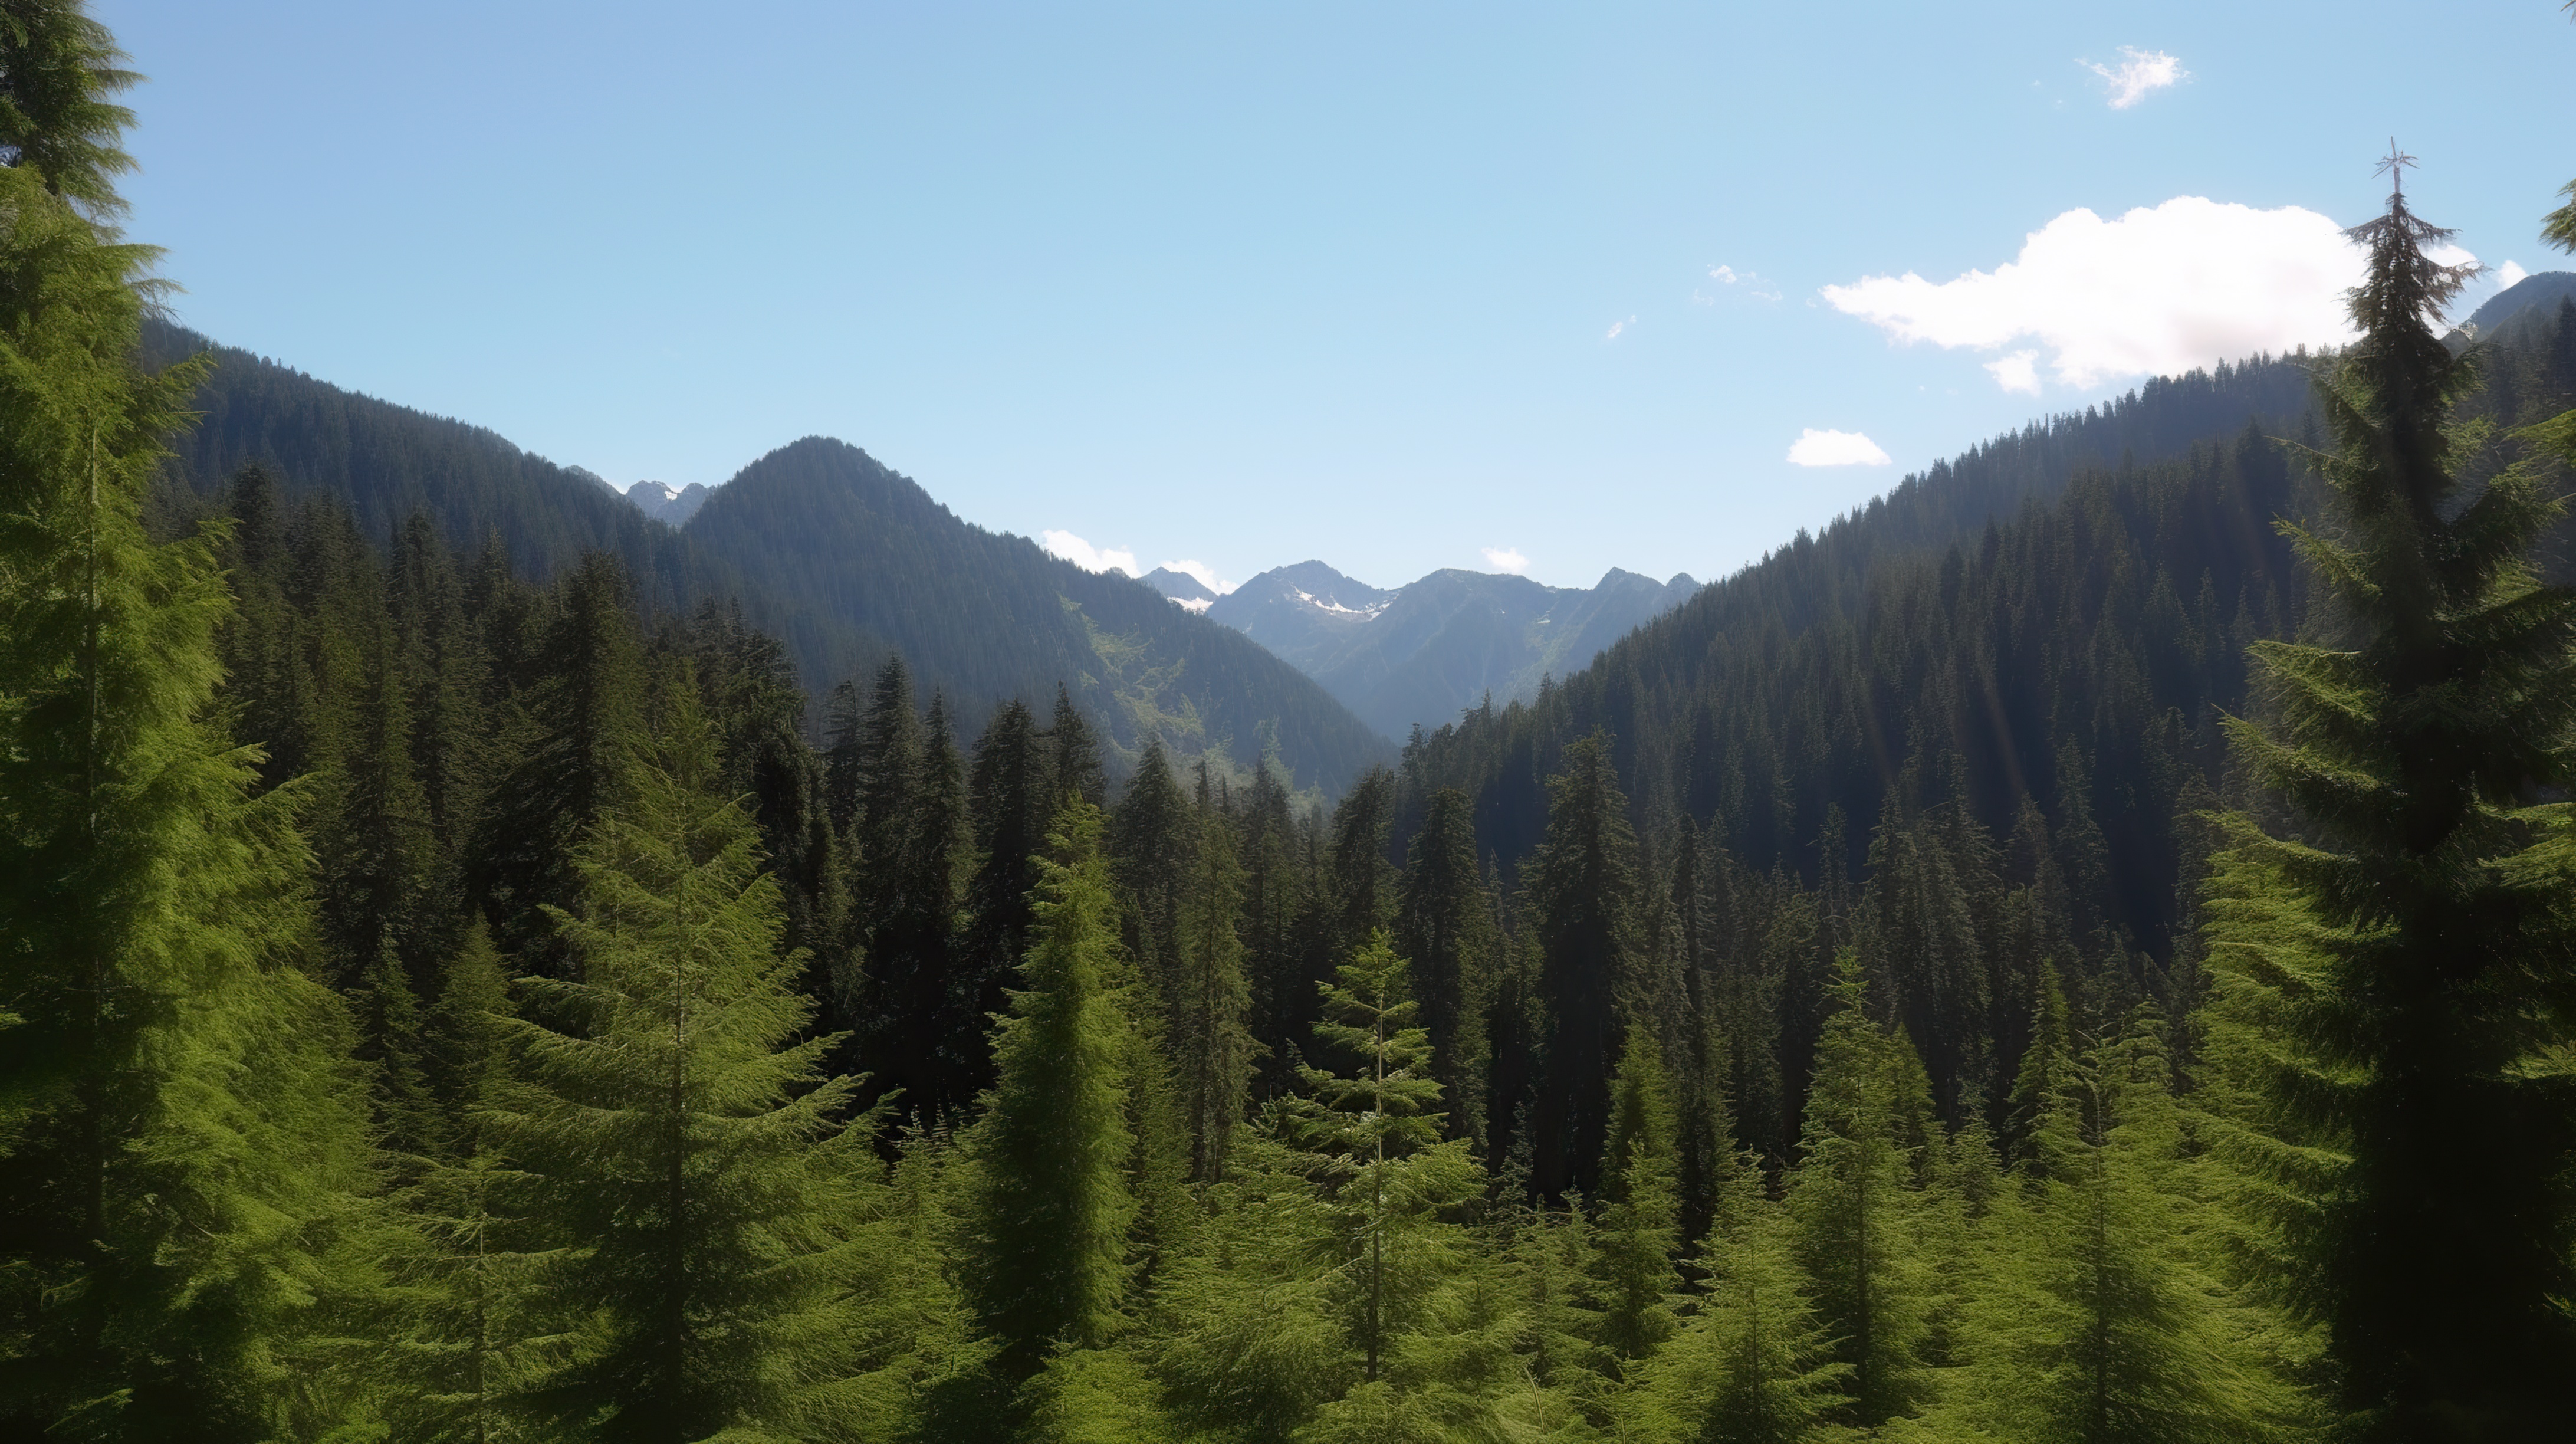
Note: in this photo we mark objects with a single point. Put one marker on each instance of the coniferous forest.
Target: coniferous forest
(2079, 960)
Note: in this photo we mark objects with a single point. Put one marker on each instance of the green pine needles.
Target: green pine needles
(2394, 981)
(701, 1184)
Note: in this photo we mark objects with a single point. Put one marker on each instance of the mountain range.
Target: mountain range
(849, 562)
(1420, 654)
(843, 560)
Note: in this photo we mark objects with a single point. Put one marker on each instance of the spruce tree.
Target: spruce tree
(1582, 890)
(177, 1139)
(1445, 925)
(1213, 1052)
(1851, 1203)
(1372, 1144)
(2096, 1318)
(1753, 1363)
(2390, 985)
(696, 1176)
(1051, 1201)
(1640, 1216)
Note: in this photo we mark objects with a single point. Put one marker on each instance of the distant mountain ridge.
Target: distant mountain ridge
(658, 499)
(1420, 654)
(845, 561)
(1193, 595)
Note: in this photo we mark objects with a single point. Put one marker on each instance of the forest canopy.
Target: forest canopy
(2083, 961)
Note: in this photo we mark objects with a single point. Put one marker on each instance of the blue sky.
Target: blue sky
(1395, 286)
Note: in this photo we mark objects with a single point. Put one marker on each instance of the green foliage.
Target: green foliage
(1639, 1230)
(1046, 1262)
(2392, 980)
(1753, 1365)
(2097, 1314)
(694, 1177)
(61, 66)
(1853, 1208)
(1372, 1145)
(177, 1148)
(1214, 1054)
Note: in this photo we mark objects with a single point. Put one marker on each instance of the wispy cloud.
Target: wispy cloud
(1835, 448)
(1746, 282)
(2158, 291)
(1206, 574)
(2140, 73)
(1617, 327)
(1506, 559)
(2510, 275)
(1088, 557)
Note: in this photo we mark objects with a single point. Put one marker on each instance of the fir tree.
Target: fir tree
(1850, 1200)
(1213, 1051)
(176, 1139)
(1444, 923)
(1640, 1216)
(1046, 1261)
(2388, 988)
(1372, 1140)
(1583, 892)
(695, 1176)
(2097, 1319)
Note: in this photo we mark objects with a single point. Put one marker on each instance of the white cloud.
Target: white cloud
(2141, 72)
(1618, 326)
(1754, 285)
(1088, 557)
(2509, 275)
(1835, 448)
(1506, 559)
(2160, 290)
(1206, 574)
(2016, 373)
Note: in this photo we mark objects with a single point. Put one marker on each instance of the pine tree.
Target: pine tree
(177, 1145)
(697, 1182)
(1583, 892)
(1372, 1144)
(1046, 1262)
(1150, 836)
(1640, 1217)
(56, 119)
(1445, 925)
(2097, 1319)
(470, 1335)
(1850, 1200)
(2388, 988)
(1753, 1364)
(1213, 1052)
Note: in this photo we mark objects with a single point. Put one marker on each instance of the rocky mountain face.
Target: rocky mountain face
(1420, 654)
(657, 499)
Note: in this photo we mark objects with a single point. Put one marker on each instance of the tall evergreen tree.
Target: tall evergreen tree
(1372, 1140)
(697, 1176)
(176, 1141)
(1641, 1214)
(1582, 889)
(1851, 1203)
(1445, 925)
(2391, 985)
(1213, 1052)
(2097, 1318)
(1046, 1258)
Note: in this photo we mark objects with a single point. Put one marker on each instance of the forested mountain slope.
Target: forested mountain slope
(1968, 762)
(386, 462)
(855, 562)
(845, 560)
